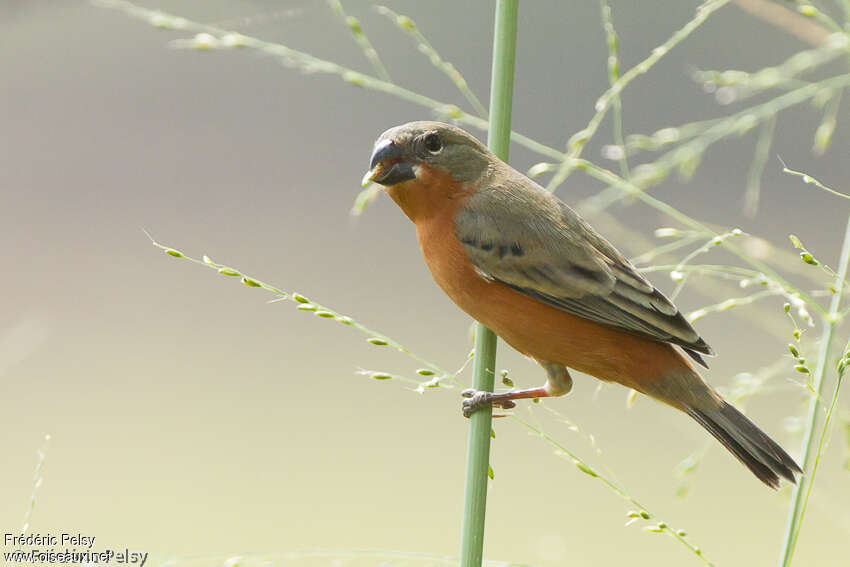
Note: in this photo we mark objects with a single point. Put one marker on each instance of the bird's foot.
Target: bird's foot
(474, 400)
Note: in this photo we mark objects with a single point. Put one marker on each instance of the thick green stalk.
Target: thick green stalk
(502, 78)
(795, 514)
(478, 448)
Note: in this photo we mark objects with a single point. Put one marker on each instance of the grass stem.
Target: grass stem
(478, 449)
(831, 321)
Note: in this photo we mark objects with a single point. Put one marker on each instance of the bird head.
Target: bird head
(401, 153)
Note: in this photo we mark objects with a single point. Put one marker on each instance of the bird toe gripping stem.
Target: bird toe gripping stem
(474, 400)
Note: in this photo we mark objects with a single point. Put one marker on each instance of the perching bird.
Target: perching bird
(524, 264)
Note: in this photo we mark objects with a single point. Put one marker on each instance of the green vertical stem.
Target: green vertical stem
(798, 509)
(502, 78)
(478, 444)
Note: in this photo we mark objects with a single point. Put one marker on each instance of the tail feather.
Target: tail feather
(758, 452)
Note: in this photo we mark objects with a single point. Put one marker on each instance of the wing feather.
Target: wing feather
(518, 234)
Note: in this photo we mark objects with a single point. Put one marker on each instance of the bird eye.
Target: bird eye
(433, 143)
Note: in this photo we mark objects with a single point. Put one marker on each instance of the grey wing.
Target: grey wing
(535, 244)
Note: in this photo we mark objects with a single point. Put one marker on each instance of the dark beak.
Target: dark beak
(386, 166)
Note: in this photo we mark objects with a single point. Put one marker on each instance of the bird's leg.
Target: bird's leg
(558, 383)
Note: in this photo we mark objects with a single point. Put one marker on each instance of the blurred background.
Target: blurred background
(191, 417)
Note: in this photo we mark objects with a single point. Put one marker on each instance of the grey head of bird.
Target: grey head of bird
(401, 152)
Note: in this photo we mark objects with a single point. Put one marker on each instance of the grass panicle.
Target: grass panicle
(409, 27)
(361, 39)
(801, 492)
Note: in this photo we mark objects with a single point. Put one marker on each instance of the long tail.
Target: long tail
(748, 443)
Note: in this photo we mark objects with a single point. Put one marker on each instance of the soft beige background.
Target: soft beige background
(191, 417)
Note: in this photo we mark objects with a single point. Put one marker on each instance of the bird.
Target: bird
(520, 261)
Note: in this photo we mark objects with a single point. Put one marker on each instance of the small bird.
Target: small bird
(524, 264)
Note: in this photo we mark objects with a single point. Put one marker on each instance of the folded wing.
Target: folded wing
(555, 257)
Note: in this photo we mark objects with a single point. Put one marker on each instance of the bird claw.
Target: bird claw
(474, 400)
